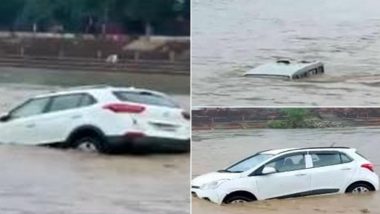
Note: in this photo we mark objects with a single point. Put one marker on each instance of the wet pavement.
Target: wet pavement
(54, 181)
(229, 146)
(231, 37)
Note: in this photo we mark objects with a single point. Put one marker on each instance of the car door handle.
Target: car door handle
(300, 174)
(32, 125)
(76, 116)
(346, 169)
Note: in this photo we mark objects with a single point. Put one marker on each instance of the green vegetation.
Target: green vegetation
(97, 16)
(295, 118)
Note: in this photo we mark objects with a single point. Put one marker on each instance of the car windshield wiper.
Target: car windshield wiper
(226, 170)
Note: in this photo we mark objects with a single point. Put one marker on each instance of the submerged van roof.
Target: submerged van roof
(287, 68)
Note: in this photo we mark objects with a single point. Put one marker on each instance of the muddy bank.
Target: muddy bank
(172, 84)
(47, 181)
(228, 146)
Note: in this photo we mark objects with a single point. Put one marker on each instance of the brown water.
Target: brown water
(213, 150)
(38, 180)
(231, 37)
(172, 84)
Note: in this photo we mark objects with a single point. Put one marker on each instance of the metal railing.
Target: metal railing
(94, 64)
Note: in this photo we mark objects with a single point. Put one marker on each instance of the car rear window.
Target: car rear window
(65, 102)
(325, 159)
(145, 98)
(329, 158)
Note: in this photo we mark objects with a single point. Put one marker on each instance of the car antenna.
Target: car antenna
(333, 144)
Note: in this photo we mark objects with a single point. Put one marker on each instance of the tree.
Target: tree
(149, 11)
(9, 10)
(79, 15)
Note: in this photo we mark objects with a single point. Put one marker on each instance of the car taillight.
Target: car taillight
(186, 115)
(124, 108)
(369, 166)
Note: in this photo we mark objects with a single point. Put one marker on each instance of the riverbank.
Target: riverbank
(283, 118)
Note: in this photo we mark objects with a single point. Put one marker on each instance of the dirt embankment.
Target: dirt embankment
(158, 55)
(254, 118)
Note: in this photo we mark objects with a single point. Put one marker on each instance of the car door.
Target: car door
(21, 126)
(330, 172)
(65, 112)
(290, 179)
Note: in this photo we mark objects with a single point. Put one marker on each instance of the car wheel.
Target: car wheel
(88, 144)
(237, 200)
(359, 188)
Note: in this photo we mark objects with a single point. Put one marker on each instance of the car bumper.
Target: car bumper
(147, 144)
(209, 195)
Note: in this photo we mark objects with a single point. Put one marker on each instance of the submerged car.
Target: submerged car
(287, 69)
(99, 118)
(285, 173)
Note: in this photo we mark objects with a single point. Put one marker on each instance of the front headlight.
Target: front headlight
(213, 185)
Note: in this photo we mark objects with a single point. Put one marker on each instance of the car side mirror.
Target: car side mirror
(268, 170)
(5, 117)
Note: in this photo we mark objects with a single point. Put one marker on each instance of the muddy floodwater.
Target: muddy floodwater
(53, 181)
(48, 181)
(231, 37)
(213, 150)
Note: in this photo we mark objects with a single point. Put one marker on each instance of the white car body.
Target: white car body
(288, 69)
(311, 177)
(118, 121)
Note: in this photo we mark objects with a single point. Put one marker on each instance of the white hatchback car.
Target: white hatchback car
(99, 118)
(287, 173)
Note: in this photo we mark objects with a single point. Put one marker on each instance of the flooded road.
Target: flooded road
(49, 181)
(229, 146)
(231, 37)
(46, 181)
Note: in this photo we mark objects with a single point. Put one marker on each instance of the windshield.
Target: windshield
(145, 98)
(248, 163)
(270, 76)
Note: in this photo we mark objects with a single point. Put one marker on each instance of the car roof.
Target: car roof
(280, 151)
(95, 89)
(284, 68)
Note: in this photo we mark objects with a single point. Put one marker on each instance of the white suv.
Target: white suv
(289, 173)
(99, 118)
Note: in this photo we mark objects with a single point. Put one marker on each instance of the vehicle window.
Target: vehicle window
(344, 158)
(325, 159)
(320, 69)
(30, 108)
(145, 98)
(65, 102)
(248, 163)
(86, 100)
(360, 155)
(289, 163)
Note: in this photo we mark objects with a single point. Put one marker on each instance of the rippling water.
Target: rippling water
(37, 180)
(229, 146)
(231, 36)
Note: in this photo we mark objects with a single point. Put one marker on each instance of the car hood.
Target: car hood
(213, 176)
